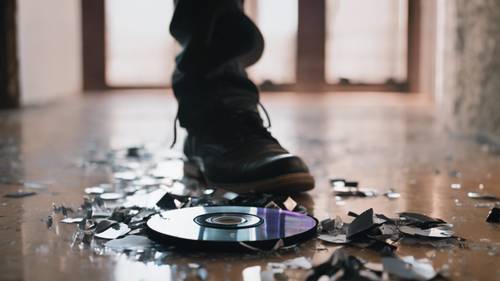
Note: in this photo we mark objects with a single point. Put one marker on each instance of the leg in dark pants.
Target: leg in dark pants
(217, 39)
(218, 103)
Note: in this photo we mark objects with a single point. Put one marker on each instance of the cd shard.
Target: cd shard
(94, 190)
(129, 242)
(104, 224)
(290, 204)
(114, 232)
(360, 224)
(479, 196)
(20, 194)
(408, 268)
(167, 202)
(72, 220)
(341, 266)
(494, 215)
(383, 234)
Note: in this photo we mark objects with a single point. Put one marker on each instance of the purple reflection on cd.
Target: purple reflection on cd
(281, 223)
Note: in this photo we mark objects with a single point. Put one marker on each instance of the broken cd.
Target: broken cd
(361, 224)
(290, 204)
(334, 238)
(129, 242)
(94, 190)
(408, 268)
(436, 232)
(392, 194)
(111, 196)
(72, 220)
(476, 195)
(231, 227)
(494, 215)
(114, 232)
(20, 194)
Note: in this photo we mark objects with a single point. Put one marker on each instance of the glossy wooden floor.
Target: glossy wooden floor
(382, 140)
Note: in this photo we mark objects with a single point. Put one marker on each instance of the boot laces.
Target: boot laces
(244, 123)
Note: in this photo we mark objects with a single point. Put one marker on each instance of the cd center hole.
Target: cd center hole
(227, 220)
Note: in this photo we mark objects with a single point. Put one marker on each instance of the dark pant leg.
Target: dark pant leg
(218, 41)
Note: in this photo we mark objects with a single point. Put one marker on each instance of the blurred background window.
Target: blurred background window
(139, 48)
(277, 20)
(366, 40)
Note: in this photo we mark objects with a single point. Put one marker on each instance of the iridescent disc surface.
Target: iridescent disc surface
(231, 224)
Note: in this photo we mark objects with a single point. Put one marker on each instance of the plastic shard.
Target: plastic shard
(113, 233)
(72, 220)
(435, 232)
(361, 223)
(408, 268)
(129, 242)
(94, 190)
(493, 215)
(290, 204)
(476, 195)
(20, 194)
(111, 196)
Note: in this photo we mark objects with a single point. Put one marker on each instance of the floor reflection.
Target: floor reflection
(381, 140)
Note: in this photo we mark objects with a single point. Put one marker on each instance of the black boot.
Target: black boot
(218, 103)
(234, 151)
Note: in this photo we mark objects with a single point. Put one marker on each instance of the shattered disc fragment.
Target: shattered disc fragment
(113, 233)
(20, 194)
(361, 223)
(130, 242)
(341, 266)
(337, 182)
(111, 196)
(392, 194)
(104, 224)
(72, 220)
(272, 205)
(290, 204)
(296, 263)
(167, 202)
(420, 220)
(435, 232)
(334, 238)
(94, 190)
(383, 234)
(408, 268)
(476, 195)
(230, 195)
(494, 215)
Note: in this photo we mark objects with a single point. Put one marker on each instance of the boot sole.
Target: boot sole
(283, 184)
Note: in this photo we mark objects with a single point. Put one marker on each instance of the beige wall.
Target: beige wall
(470, 98)
(49, 41)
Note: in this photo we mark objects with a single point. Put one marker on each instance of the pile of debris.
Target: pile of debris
(342, 266)
(348, 188)
(143, 186)
(378, 232)
(114, 215)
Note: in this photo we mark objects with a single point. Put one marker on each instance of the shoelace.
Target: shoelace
(267, 126)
